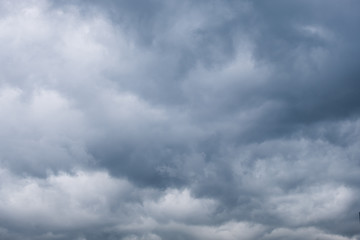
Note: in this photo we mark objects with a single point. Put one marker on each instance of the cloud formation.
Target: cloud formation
(179, 120)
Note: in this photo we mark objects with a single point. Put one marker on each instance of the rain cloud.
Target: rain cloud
(157, 120)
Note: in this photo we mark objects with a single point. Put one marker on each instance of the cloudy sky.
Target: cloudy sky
(179, 120)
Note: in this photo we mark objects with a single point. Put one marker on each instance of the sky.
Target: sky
(179, 120)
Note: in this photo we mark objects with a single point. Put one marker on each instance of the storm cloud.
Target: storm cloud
(159, 120)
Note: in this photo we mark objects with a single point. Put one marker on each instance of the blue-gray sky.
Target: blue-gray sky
(179, 120)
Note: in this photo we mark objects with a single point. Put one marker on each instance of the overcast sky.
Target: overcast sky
(179, 120)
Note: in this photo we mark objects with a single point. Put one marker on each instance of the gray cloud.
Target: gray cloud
(168, 120)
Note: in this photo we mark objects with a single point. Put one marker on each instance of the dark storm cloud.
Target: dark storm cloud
(296, 41)
(179, 120)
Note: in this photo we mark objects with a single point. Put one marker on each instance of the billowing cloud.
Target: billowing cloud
(179, 120)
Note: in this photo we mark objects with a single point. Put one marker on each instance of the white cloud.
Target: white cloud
(303, 233)
(61, 201)
(180, 206)
(312, 204)
(41, 131)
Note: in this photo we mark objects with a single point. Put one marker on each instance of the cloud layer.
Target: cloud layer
(179, 120)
